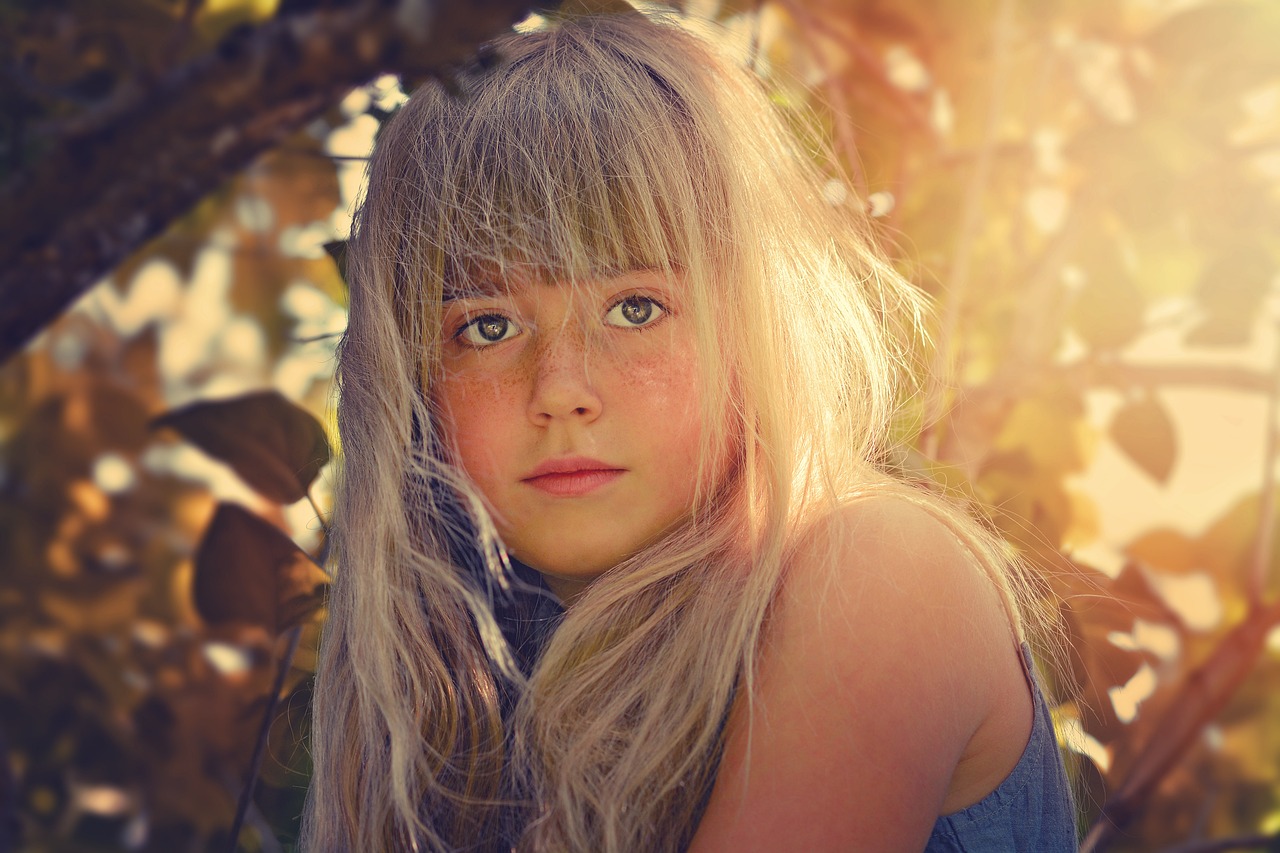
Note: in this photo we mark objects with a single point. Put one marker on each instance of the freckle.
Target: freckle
(665, 375)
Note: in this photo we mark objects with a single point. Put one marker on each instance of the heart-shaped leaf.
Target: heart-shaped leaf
(248, 571)
(274, 445)
(1144, 431)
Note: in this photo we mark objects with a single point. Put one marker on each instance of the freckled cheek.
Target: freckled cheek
(664, 389)
(475, 412)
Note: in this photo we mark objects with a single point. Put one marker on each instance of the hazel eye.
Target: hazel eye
(634, 312)
(488, 329)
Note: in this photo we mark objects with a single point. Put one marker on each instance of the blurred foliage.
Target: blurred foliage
(1067, 179)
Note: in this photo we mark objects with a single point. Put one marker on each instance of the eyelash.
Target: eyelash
(458, 334)
(665, 312)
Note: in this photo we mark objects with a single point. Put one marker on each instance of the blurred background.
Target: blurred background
(1090, 190)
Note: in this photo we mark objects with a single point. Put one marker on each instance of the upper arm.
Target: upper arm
(871, 682)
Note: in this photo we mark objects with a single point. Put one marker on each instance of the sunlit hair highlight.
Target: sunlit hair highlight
(594, 147)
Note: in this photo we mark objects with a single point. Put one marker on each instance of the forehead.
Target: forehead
(484, 288)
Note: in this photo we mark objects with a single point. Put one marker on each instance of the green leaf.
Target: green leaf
(1144, 431)
(247, 571)
(274, 445)
(1049, 428)
(1230, 292)
(1227, 546)
(1109, 310)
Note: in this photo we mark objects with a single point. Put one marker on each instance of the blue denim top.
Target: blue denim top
(1031, 810)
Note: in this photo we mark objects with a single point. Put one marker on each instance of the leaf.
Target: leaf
(1049, 428)
(1092, 607)
(248, 571)
(1108, 311)
(1095, 666)
(1144, 431)
(118, 416)
(1227, 546)
(1164, 550)
(274, 445)
(1202, 695)
(337, 249)
(1231, 292)
(1218, 331)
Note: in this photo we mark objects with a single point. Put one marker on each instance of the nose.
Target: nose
(562, 382)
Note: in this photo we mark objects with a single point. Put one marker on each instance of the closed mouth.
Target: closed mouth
(574, 483)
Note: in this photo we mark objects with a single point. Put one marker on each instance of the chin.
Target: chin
(569, 567)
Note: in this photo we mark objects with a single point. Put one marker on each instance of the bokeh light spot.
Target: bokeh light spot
(1126, 699)
(226, 658)
(113, 474)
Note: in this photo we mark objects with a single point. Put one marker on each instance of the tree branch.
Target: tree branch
(124, 173)
(1263, 543)
(260, 746)
(957, 282)
(846, 136)
(968, 437)
(1128, 375)
(1200, 698)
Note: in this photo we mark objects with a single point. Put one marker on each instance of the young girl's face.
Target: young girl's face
(575, 410)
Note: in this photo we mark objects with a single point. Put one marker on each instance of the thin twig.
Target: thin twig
(1267, 505)
(971, 221)
(180, 39)
(1199, 699)
(260, 748)
(846, 136)
(324, 525)
(324, 155)
(254, 816)
(1121, 374)
(311, 339)
(753, 50)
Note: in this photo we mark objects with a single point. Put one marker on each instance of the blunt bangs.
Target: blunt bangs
(567, 160)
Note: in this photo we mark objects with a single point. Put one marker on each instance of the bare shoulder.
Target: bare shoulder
(884, 586)
(890, 552)
(875, 675)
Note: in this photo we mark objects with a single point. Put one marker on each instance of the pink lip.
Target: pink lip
(572, 476)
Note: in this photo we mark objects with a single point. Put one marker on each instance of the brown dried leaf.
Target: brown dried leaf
(118, 416)
(248, 571)
(274, 445)
(1144, 431)
(1096, 666)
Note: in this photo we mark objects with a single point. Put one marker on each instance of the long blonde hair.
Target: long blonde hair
(593, 146)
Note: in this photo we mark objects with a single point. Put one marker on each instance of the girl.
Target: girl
(619, 566)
